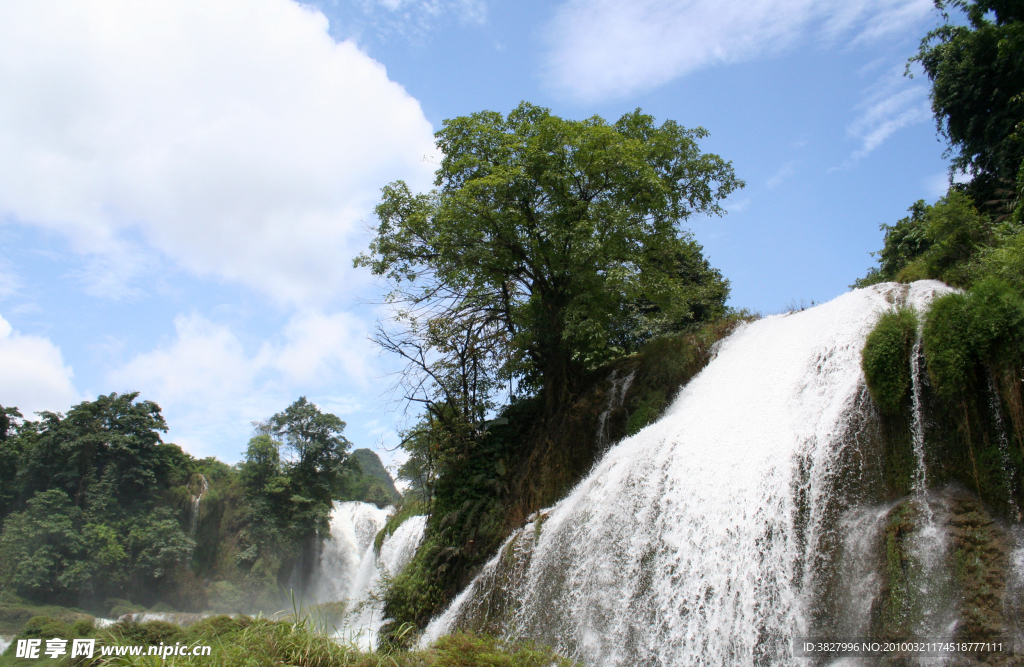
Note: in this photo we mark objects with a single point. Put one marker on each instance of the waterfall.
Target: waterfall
(861, 531)
(365, 618)
(193, 513)
(698, 540)
(353, 527)
(1004, 445)
(350, 571)
(920, 480)
(616, 395)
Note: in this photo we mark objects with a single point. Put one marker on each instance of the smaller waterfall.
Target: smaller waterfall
(365, 617)
(616, 395)
(919, 484)
(193, 513)
(861, 581)
(1004, 445)
(350, 571)
(928, 547)
(353, 527)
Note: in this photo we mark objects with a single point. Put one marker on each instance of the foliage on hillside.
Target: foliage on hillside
(526, 461)
(550, 251)
(374, 484)
(976, 231)
(977, 75)
(97, 512)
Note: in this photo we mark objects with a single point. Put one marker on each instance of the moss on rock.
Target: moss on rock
(886, 359)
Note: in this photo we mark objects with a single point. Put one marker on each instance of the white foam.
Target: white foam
(680, 548)
(353, 527)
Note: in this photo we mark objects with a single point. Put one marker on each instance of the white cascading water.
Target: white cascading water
(365, 617)
(861, 530)
(1004, 445)
(193, 514)
(350, 570)
(353, 527)
(920, 479)
(694, 541)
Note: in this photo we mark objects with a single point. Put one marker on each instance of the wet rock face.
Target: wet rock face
(979, 560)
(945, 567)
(896, 610)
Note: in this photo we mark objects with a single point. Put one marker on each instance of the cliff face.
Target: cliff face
(881, 524)
(376, 485)
(528, 461)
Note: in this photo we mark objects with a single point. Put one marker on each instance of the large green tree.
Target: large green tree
(110, 445)
(290, 496)
(86, 499)
(542, 236)
(977, 75)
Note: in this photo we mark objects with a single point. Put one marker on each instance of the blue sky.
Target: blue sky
(184, 183)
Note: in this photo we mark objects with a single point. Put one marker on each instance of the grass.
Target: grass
(261, 642)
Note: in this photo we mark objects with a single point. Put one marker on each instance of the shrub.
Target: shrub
(984, 326)
(151, 632)
(466, 650)
(886, 358)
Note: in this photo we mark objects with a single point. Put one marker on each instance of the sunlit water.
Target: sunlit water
(350, 571)
(694, 541)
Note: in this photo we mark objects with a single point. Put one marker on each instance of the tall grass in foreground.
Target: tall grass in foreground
(261, 642)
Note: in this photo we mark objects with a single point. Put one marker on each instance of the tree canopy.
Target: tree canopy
(84, 501)
(291, 495)
(977, 75)
(547, 247)
(976, 231)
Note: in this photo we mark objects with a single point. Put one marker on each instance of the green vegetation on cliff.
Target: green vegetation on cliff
(886, 358)
(97, 512)
(973, 357)
(549, 301)
(973, 239)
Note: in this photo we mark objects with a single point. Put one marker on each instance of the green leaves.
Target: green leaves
(944, 241)
(886, 358)
(977, 74)
(113, 436)
(968, 331)
(551, 230)
(84, 491)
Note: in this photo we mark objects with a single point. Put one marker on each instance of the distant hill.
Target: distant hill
(375, 485)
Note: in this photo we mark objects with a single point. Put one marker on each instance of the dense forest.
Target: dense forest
(97, 512)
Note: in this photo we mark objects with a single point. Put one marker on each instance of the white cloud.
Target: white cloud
(891, 104)
(784, 173)
(234, 136)
(409, 19)
(33, 375)
(609, 48)
(212, 386)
